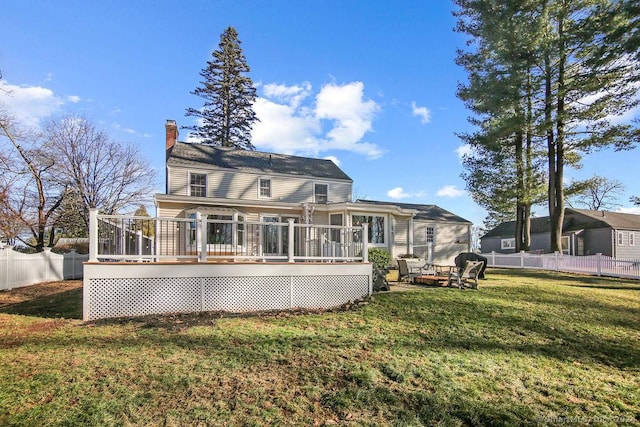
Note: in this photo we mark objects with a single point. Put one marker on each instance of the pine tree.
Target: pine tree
(552, 73)
(227, 115)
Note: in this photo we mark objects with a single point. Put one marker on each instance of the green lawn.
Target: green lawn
(529, 347)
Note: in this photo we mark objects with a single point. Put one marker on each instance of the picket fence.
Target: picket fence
(600, 265)
(19, 269)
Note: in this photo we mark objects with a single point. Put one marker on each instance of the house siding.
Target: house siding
(445, 248)
(625, 250)
(598, 241)
(401, 237)
(244, 186)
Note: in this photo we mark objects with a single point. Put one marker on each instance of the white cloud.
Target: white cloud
(334, 159)
(399, 193)
(73, 98)
(338, 120)
(464, 150)
(634, 210)
(450, 191)
(291, 95)
(422, 112)
(118, 126)
(30, 104)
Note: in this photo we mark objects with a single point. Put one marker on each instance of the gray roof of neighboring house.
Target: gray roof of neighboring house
(185, 154)
(575, 219)
(425, 212)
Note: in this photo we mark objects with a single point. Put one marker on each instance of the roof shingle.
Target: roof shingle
(186, 154)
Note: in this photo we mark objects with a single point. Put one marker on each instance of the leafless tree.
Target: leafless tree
(31, 195)
(100, 173)
(595, 193)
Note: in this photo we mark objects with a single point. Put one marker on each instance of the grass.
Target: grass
(529, 347)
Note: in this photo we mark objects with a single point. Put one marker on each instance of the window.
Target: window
(198, 185)
(620, 238)
(321, 193)
(264, 187)
(220, 233)
(335, 219)
(508, 243)
(375, 228)
(430, 234)
(632, 239)
(564, 241)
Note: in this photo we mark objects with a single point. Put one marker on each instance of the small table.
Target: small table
(432, 280)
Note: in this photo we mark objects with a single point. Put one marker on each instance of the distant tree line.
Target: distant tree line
(546, 78)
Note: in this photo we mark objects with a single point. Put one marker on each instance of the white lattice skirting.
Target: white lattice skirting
(138, 289)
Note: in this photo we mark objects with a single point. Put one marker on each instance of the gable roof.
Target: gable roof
(425, 212)
(202, 155)
(574, 219)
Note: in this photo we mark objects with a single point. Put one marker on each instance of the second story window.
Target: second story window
(198, 185)
(321, 193)
(264, 187)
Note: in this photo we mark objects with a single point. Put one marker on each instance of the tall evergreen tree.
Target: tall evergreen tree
(227, 115)
(572, 67)
(504, 174)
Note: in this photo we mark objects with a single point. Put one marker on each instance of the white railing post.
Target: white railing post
(493, 258)
(599, 263)
(291, 242)
(521, 259)
(557, 258)
(202, 231)
(139, 243)
(93, 235)
(365, 242)
(156, 239)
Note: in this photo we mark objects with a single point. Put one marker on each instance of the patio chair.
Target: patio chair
(468, 273)
(403, 271)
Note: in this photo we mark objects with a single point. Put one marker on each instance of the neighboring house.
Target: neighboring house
(226, 184)
(584, 232)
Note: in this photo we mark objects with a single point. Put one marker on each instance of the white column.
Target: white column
(291, 240)
(93, 235)
(202, 228)
(365, 242)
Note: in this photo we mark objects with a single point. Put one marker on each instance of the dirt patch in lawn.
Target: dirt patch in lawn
(29, 293)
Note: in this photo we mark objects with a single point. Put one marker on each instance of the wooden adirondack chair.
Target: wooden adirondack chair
(468, 273)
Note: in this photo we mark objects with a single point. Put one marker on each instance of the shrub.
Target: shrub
(379, 257)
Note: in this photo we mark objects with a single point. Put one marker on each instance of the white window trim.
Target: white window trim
(632, 238)
(197, 242)
(260, 196)
(620, 239)
(314, 192)
(386, 226)
(433, 227)
(508, 243)
(566, 239)
(206, 182)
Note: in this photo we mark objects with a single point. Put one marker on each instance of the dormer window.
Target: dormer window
(264, 187)
(198, 184)
(321, 193)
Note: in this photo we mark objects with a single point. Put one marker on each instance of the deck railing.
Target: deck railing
(134, 238)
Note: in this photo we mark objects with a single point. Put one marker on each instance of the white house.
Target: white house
(231, 184)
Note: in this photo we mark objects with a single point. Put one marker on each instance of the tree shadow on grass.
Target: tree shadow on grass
(66, 304)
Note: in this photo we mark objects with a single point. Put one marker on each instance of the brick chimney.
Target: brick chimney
(172, 135)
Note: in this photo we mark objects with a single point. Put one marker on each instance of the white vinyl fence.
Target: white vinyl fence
(18, 269)
(600, 265)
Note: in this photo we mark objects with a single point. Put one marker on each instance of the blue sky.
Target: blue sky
(370, 84)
